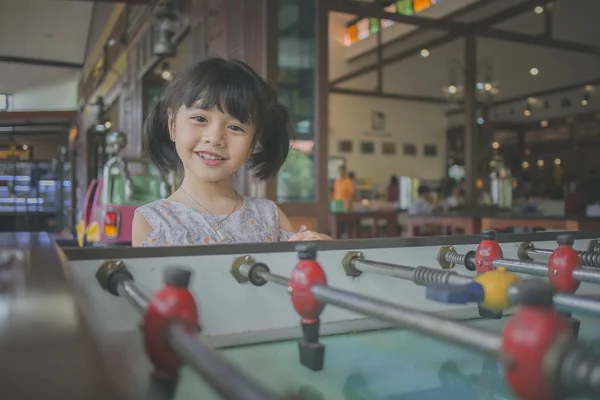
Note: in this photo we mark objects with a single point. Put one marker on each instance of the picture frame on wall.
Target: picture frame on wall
(377, 120)
(388, 148)
(430, 150)
(345, 146)
(367, 147)
(409, 149)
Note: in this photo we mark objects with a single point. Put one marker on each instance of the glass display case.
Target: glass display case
(38, 189)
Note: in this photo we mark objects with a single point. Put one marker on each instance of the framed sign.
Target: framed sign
(345, 146)
(388, 148)
(367, 147)
(430, 150)
(409, 149)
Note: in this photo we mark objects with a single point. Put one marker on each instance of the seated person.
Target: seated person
(393, 189)
(455, 200)
(424, 204)
(575, 203)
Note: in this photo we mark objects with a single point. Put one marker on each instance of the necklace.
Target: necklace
(222, 235)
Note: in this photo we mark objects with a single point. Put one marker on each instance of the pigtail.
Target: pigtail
(273, 143)
(156, 140)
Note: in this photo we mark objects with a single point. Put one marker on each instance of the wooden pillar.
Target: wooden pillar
(322, 115)
(471, 118)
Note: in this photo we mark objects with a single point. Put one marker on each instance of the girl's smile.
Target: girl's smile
(210, 158)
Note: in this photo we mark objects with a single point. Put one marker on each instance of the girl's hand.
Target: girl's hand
(307, 236)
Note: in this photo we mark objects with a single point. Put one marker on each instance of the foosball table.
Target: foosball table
(462, 317)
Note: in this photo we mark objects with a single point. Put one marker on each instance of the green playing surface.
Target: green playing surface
(385, 364)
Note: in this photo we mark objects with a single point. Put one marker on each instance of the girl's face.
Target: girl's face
(212, 145)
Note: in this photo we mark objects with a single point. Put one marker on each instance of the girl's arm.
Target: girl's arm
(140, 230)
(286, 225)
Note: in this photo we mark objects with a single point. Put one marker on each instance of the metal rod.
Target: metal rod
(224, 378)
(584, 274)
(278, 279)
(577, 304)
(398, 271)
(522, 267)
(128, 290)
(450, 331)
(540, 252)
(229, 382)
(418, 321)
(426, 275)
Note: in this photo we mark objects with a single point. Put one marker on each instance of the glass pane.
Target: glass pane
(374, 25)
(386, 22)
(420, 5)
(296, 81)
(363, 28)
(404, 7)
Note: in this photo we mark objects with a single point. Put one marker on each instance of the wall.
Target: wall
(406, 122)
(57, 94)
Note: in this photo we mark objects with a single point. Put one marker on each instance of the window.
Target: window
(5, 102)
(296, 64)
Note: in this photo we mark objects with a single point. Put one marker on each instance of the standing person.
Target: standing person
(343, 188)
(393, 190)
(216, 116)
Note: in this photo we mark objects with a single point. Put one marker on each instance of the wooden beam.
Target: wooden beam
(321, 112)
(398, 57)
(40, 62)
(114, 1)
(395, 96)
(56, 124)
(549, 21)
(364, 10)
(471, 139)
(541, 40)
(32, 115)
(458, 13)
(510, 13)
(542, 93)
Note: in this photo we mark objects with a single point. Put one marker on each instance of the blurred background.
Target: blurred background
(412, 117)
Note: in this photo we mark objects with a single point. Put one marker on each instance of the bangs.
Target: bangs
(231, 90)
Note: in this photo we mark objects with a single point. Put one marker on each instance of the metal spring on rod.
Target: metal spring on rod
(589, 259)
(424, 276)
(580, 370)
(455, 258)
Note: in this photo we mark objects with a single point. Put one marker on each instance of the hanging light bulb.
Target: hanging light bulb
(585, 100)
(528, 110)
(166, 73)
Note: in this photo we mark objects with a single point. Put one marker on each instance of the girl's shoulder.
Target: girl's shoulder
(155, 205)
(259, 203)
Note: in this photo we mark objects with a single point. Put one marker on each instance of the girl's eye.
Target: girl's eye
(199, 119)
(236, 128)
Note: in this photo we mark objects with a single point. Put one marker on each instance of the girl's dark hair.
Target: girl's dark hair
(232, 87)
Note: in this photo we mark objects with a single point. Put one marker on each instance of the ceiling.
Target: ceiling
(45, 30)
(574, 20)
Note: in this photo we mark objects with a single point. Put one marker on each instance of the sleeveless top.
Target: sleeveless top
(177, 224)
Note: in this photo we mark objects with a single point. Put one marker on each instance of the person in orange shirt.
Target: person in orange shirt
(343, 189)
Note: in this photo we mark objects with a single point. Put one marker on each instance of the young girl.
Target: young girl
(216, 116)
